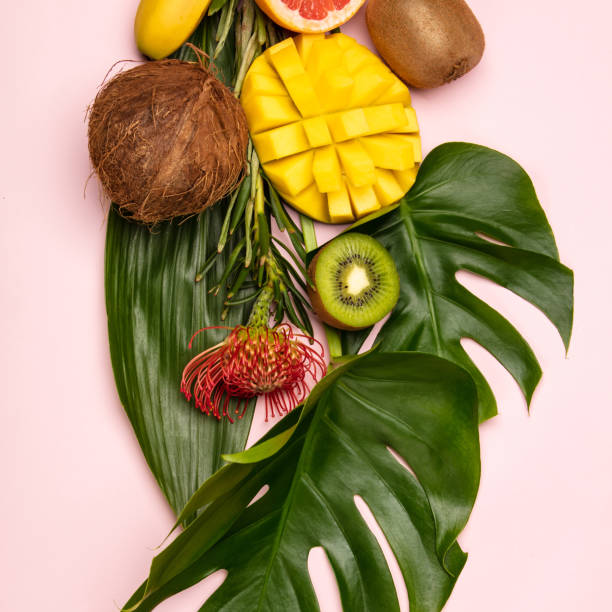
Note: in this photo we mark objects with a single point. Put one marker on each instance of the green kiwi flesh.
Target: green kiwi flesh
(356, 282)
(426, 42)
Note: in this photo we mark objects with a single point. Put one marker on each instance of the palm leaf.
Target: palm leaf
(153, 307)
(423, 408)
(465, 195)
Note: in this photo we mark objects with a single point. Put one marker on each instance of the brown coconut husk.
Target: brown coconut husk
(167, 139)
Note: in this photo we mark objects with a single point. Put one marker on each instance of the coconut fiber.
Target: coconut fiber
(167, 139)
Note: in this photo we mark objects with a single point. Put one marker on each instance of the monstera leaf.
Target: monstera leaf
(154, 307)
(417, 406)
(465, 195)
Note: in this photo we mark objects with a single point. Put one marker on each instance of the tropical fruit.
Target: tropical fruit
(332, 125)
(162, 26)
(167, 139)
(310, 16)
(427, 43)
(355, 282)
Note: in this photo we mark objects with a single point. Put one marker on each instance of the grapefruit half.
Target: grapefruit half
(310, 16)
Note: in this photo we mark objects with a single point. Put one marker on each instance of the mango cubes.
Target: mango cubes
(332, 126)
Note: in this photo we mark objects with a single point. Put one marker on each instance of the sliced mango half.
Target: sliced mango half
(333, 127)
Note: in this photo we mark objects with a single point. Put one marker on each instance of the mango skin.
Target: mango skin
(162, 26)
(427, 43)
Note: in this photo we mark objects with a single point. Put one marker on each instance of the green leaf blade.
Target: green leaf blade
(421, 406)
(455, 178)
(153, 308)
(465, 195)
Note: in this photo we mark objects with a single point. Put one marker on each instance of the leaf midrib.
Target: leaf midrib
(299, 471)
(422, 273)
(359, 452)
(302, 477)
(390, 417)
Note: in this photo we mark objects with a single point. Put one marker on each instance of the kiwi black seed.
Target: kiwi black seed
(356, 282)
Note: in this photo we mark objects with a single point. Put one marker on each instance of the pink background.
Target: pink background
(80, 512)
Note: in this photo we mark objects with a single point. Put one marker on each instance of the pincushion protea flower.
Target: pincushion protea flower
(254, 360)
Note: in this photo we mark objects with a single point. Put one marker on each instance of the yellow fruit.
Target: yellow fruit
(339, 206)
(332, 126)
(326, 170)
(162, 26)
(292, 174)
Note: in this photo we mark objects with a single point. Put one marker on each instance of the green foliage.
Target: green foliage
(423, 402)
(422, 407)
(463, 192)
(154, 306)
(337, 445)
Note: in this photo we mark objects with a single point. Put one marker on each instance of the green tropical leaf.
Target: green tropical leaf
(465, 195)
(272, 444)
(419, 406)
(153, 307)
(216, 6)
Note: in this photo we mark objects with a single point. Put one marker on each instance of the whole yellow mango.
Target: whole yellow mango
(162, 26)
(332, 125)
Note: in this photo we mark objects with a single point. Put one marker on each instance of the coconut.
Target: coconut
(167, 139)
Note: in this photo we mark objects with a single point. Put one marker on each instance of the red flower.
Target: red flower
(253, 361)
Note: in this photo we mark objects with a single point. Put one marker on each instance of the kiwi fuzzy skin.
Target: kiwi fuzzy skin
(317, 303)
(427, 43)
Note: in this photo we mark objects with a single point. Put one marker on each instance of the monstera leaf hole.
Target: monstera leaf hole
(490, 239)
(324, 580)
(401, 460)
(535, 327)
(194, 597)
(260, 494)
(533, 321)
(396, 573)
(475, 209)
(210, 584)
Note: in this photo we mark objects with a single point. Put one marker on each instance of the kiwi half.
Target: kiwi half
(356, 282)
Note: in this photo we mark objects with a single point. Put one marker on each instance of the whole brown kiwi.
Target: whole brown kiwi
(426, 42)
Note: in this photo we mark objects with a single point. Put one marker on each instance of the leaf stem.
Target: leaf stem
(207, 266)
(226, 222)
(260, 313)
(225, 23)
(249, 55)
(308, 231)
(332, 335)
(334, 344)
(241, 202)
(248, 219)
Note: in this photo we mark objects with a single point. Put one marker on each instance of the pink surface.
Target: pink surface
(80, 511)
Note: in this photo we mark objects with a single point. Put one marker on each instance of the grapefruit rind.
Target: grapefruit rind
(332, 159)
(291, 19)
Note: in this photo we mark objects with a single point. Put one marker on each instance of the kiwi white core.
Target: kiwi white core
(357, 279)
